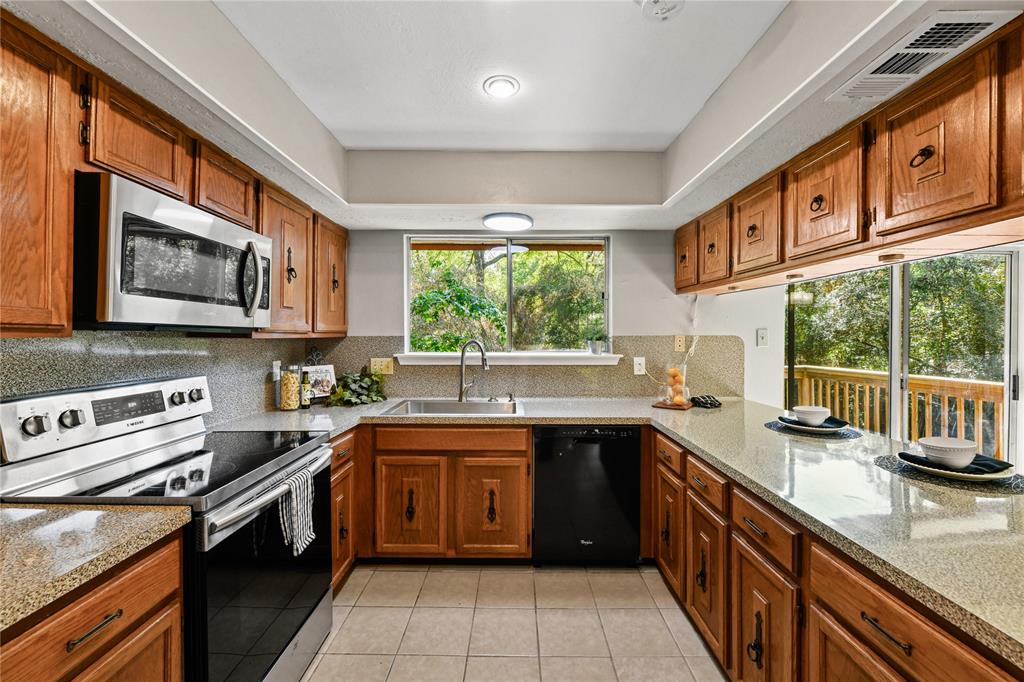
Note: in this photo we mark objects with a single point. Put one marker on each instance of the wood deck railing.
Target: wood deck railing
(962, 408)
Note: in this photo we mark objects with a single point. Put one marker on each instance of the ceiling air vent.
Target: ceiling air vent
(942, 36)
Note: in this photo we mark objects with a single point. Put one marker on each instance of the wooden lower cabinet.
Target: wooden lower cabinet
(764, 614)
(411, 504)
(835, 654)
(152, 653)
(492, 505)
(343, 544)
(668, 519)
(706, 578)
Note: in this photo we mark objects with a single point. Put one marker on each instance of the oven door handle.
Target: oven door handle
(323, 458)
(257, 294)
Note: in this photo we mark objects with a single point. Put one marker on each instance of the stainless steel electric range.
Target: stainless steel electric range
(253, 610)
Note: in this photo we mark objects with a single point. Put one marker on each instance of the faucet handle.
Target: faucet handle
(511, 398)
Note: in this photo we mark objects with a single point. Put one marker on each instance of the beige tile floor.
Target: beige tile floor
(509, 623)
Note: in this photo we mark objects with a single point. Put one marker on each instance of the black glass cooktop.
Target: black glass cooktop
(227, 462)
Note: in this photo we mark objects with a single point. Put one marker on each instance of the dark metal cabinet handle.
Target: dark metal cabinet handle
(492, 513)
(665, 534)
(711, 247)
(342, 454)
(99, 626)
(817, 202)
(701, 577)
(756, 528)
(751, 231)
(334, 278)
(702, 484)
(291, 272)
(873, 622)
(410, 509)
(342, 530)
(682, 258)
(665, 456)
(922, 155)
(755, 649)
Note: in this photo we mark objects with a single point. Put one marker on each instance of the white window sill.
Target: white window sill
(520, 358)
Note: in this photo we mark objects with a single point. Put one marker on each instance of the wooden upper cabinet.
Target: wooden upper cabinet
(331, 247)
(290, 225)
(824, 188)
(411, 505)
(668, 524)
(707, 582)
(938, 147)
(38, 144)
(342, 524)
(131, 138)
(492, 505)
(713, 244)
(757, 226)
(225, 186)
(764, 605)
(835, 654)
(686, 255)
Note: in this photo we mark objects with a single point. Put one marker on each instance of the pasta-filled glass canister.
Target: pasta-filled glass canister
(290, 388)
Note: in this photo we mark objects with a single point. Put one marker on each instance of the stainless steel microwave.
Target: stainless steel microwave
(145, 260)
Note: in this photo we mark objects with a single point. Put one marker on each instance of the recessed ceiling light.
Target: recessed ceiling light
(508, 222)
(501, 87)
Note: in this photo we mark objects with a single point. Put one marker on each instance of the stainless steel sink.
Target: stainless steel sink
(454, 407)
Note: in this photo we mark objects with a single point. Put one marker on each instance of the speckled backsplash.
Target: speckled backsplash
(716, 368)
(238, 369)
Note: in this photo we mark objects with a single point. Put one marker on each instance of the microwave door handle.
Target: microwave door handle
(257, 293)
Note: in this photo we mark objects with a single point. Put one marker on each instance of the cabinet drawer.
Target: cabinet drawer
(462, 439)
(903, 636)
(342, 448)
(777, 538)
(709, 485)
(668, 453)
(75, 634)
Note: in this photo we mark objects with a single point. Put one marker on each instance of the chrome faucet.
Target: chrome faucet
(463, 386)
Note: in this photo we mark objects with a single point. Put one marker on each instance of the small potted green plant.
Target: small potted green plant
(357, 388)
(596, 339)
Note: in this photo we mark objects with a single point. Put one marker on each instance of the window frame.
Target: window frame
(508, 355)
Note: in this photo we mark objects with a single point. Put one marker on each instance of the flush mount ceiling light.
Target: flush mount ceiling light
(659, 10)
(499, 251)
(501, 87)
(508, 222)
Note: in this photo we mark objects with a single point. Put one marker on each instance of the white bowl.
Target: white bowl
(955, 453)
(811, 415)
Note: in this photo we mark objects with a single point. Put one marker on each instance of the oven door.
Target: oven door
(168, 263)
(261, 612)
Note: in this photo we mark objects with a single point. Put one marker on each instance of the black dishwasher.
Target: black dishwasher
(586, 495)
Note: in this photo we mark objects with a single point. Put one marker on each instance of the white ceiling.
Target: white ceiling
(595, 75)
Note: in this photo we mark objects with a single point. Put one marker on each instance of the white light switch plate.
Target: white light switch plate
(762, 337)
(639, 365)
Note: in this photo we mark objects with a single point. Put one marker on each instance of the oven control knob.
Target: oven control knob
(36, 425)
(178, 397)
(69, 419)
(196, 475)
(195, 395)
(178, 483)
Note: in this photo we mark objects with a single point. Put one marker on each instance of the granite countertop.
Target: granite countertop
(48, 550)
(958, 552)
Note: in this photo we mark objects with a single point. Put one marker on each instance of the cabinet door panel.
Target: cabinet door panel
(939, 148)
(757, 228)
(37, 143)
(411, 504)
(224, 186)
(764, 604)
(331, 253)
(290, 225)
(131, 138)
(713, 244)
(669, 526)
(342, 523)
(491, 505)
(835, 654)
(823, 195)
(686, 255)
(705, 575)
(152, 653)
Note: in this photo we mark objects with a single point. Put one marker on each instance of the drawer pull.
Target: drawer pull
(492, 513)
(99, 626)
(756, 528)
(665, 456)
(702, 484)
(410, 509)
(341, 454)
(755, 649)
(817, 202)
(922, 155)
(873, 622)
(751, 231)
(701, 577)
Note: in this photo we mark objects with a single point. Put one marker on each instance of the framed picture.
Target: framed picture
(321, 379)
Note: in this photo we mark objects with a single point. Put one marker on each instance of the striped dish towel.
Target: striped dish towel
(295, 508)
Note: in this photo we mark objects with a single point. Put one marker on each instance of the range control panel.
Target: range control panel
(39, 425)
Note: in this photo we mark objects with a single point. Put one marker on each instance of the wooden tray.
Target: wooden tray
(672, 406)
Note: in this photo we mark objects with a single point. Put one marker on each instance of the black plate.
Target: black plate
(830, 423)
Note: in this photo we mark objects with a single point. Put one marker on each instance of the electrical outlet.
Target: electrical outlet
(382, 365)
(762, 337)
(639, 365)
(680, 344)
